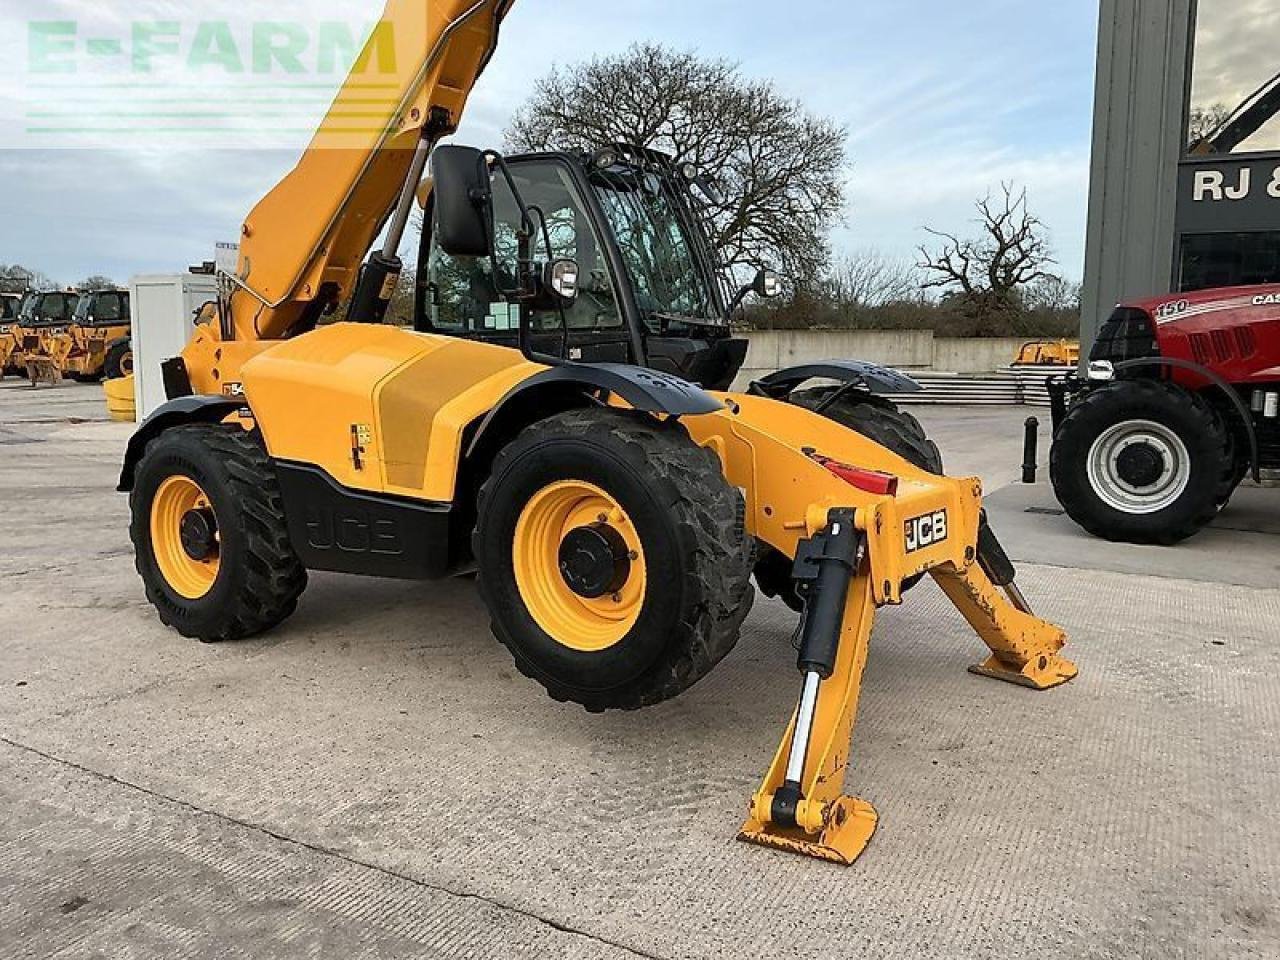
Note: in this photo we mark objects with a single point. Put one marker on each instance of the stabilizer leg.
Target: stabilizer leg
(1024, 648)
(800, 806)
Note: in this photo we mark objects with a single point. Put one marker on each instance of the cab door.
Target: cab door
(464, 297)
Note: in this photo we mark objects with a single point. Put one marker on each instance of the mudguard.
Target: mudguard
(855, 373)
(1242, 411)
(650, 391)
(175, 413)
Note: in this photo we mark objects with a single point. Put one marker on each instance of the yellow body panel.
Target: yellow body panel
(404, 398)
(8, 345)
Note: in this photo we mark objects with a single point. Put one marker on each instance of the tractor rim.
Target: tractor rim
(184, 537)
(126, 364)
(579, 565)
(1139, 467)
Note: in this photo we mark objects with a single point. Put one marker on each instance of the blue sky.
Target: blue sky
(942, 101)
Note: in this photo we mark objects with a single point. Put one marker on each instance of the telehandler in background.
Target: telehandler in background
(10, 305)
(96, 341)
(99, 343)
(41, 333)
(557, 423)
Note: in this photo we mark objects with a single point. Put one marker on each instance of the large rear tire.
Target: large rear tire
(209, 534)
(876, 419)
(1142, 461)
(613, 558)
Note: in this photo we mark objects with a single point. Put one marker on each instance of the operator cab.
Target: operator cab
(47, 309)
(648, 288)
(103, 308)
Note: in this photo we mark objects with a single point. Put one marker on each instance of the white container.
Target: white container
(164, 309)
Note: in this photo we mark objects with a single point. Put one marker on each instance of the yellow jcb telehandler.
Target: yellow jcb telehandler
(544, 425)
(41, 333)
(10, 306)
(98, 340)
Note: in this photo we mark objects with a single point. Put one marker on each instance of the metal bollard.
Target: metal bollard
(1029, 447)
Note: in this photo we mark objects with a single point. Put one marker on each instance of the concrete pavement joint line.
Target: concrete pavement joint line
(326, 852)
(1154, 576)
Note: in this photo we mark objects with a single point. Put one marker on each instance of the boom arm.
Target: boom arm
(303, 244)
(1243, 122)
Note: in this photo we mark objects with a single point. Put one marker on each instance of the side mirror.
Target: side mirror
(561, 278)
(767, 284)
(463, 201)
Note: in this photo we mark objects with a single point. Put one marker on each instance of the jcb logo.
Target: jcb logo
(926, 531)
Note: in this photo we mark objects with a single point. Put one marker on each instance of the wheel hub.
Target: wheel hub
(594, 561)
(1140, 465)
(198, 533)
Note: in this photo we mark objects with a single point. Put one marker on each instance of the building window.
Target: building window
(1235, 78)
(1228, 260)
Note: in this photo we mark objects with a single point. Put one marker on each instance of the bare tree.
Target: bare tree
(15, 278)
(779, 168)
(1052, 294)
(868, 279)
(988, 273)
(1203, 123)
(95, 283)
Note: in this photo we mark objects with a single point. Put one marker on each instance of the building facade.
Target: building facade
(1185, 177)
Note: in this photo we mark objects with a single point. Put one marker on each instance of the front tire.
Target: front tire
(1142, 461)
(613, 558)
(209, 534)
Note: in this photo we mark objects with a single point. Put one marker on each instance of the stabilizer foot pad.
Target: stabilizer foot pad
(1041, 673)
(849, 829)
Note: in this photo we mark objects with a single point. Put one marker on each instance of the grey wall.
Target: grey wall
(1143, 59)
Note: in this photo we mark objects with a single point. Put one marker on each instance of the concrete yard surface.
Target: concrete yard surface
(375, 779)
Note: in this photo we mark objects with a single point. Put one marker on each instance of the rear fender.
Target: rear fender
(175, 413)
(854, 374)
(1243, 418)
(574, 385)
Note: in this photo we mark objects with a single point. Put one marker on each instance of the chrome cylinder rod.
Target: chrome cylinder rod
(804, 728)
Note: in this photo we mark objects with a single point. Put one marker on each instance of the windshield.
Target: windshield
(47, 307)
(28, 307)
(84, 306)
(8, 308)
(663, 253)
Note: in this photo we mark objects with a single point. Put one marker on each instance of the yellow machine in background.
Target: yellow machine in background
(615, 513)
(1049, 353)
(99, 338)
(95, 342)
(41, 333)
(10, 306)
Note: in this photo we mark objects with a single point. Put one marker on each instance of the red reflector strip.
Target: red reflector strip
(870, 481)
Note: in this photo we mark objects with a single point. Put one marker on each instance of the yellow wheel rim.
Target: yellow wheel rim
(578, 622)
(189, 577)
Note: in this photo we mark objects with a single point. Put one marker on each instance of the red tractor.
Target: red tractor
(1181, 402)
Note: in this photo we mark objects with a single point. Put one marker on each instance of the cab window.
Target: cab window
(463, 296)
(106, 307)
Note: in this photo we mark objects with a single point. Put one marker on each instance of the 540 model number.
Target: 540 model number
(926, 531)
